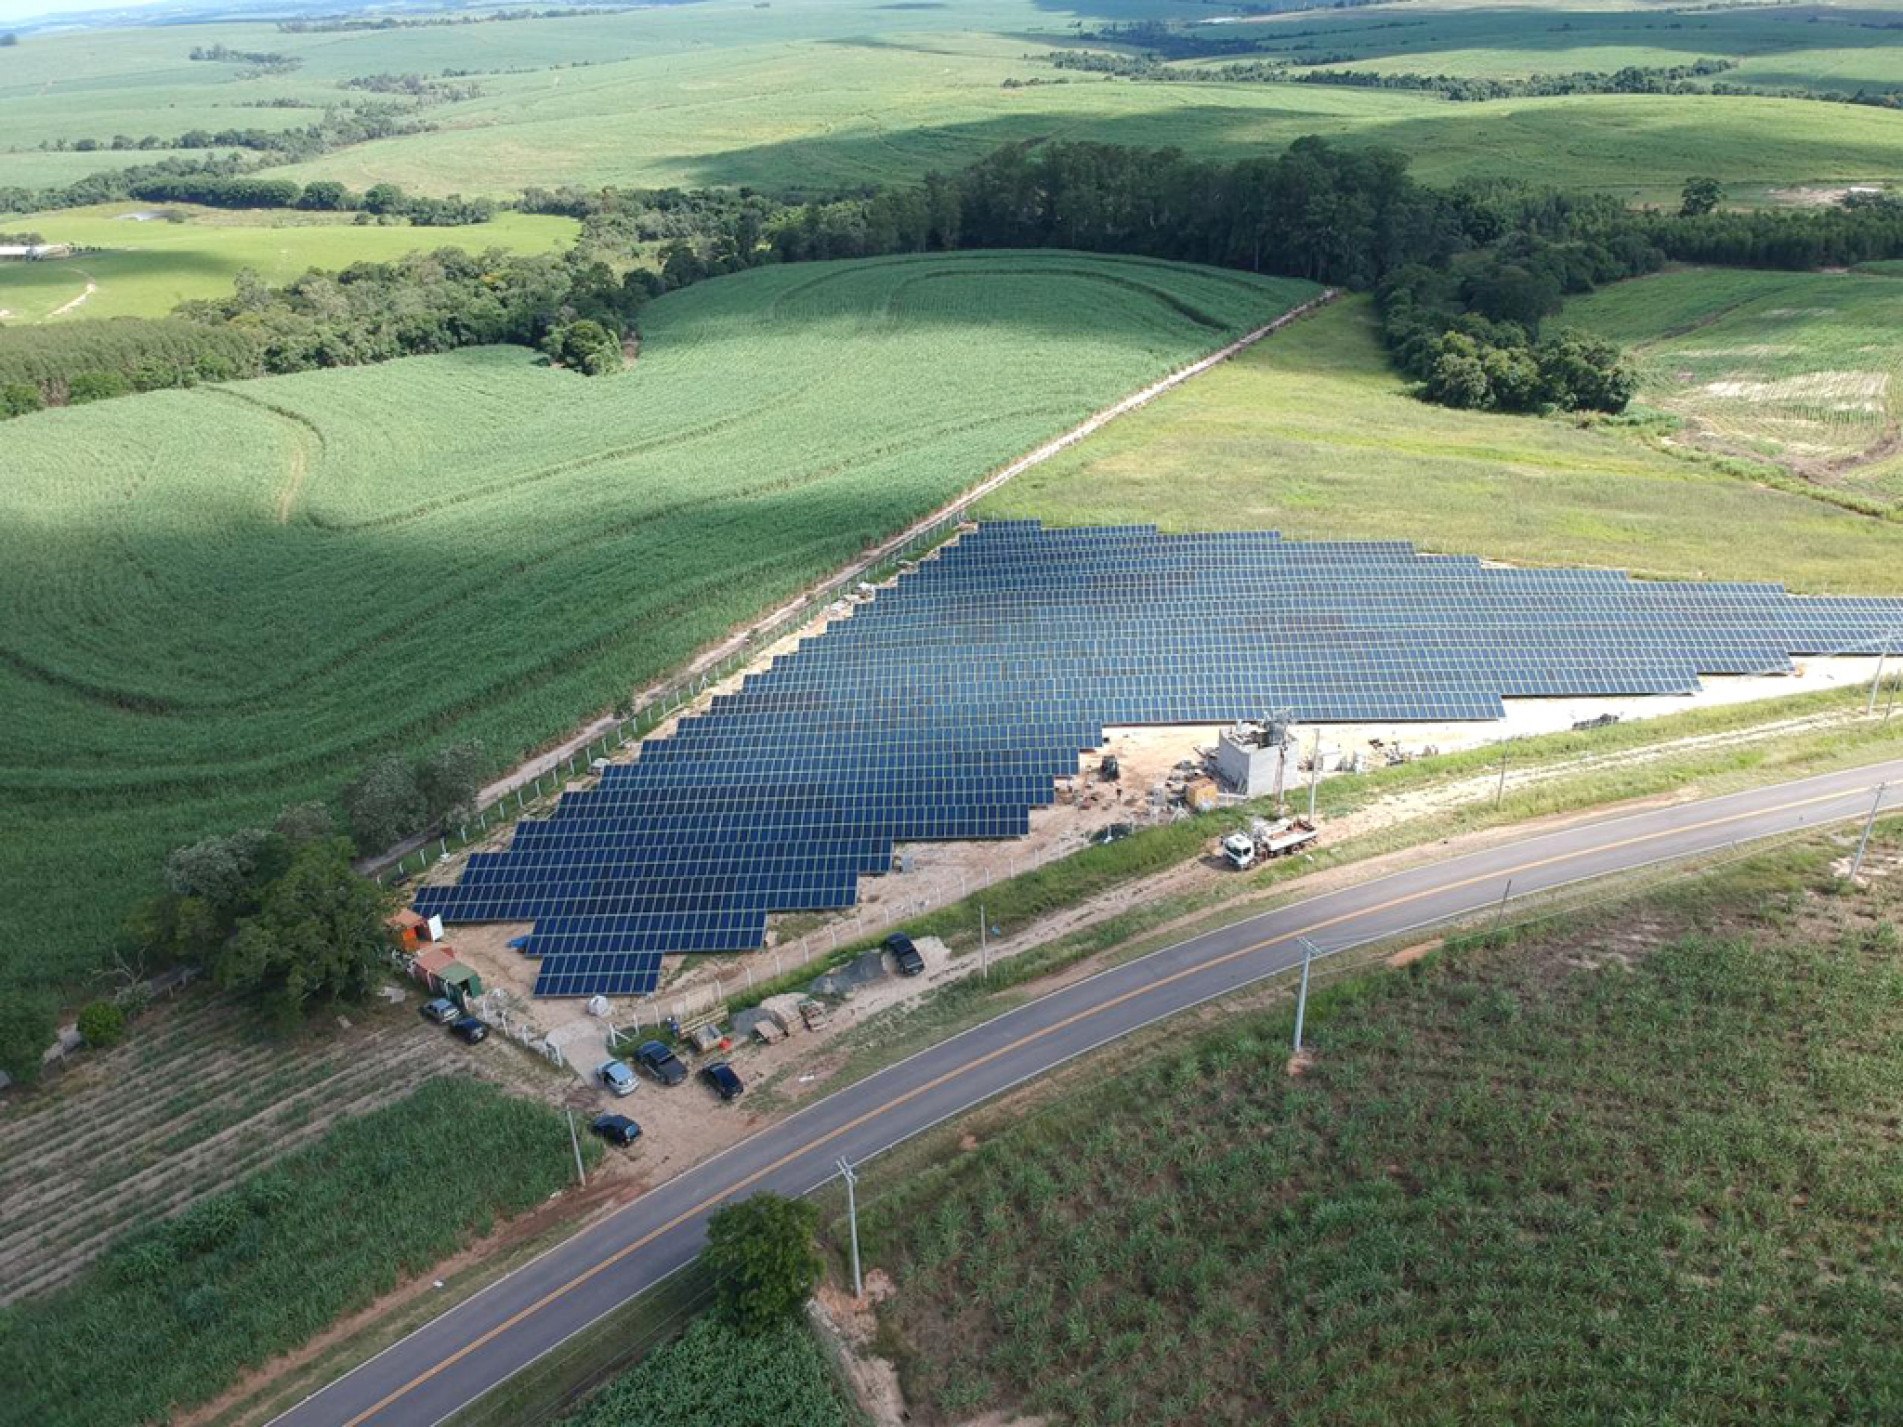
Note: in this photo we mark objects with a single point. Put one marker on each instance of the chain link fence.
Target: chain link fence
(663, 705)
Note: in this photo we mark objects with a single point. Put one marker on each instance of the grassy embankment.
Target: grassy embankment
(475, 545)
(176, 1312)
(1796, 372)
(1635, 1163)
(1314, 435)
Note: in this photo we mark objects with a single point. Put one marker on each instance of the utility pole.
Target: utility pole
(1883, 650)
(1301, 997)
(581, 1175)
(1869, 823)
(1500, 912)
(1314, 774)
(852, 1218)
(984, 944)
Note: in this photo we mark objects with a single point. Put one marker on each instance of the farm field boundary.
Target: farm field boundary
(486, 548)
(740, 649)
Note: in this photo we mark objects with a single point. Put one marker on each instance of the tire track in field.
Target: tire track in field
(307, 434)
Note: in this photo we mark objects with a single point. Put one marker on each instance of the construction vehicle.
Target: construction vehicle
(1265, 839)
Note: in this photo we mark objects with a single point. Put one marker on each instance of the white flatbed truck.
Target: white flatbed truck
(1267, 839)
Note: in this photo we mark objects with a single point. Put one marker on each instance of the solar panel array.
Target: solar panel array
(946, 709)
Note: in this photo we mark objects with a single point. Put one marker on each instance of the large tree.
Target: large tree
(763, 1261)
(320, 936)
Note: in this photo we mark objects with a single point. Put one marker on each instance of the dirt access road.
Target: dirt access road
(454, 1360)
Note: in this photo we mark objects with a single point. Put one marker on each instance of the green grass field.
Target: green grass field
(837, 93)
(475, 545)
(1634, 1165)
(1312, 433)
(1815, 47)
(145, 269)
(1796, 369)
(178, 1310)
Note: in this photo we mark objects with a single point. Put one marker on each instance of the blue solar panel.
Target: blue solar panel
(946, 709)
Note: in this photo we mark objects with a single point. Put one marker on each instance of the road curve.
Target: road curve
(453, 1360)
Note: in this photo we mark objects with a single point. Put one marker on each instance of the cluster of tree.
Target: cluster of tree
(221, 191)
(89, 361)
(1787, 238)
(421, 303)
(29, 238)
(259, 61)
(401, 794)
(110, 184)
(329, 24)
(762, 1259)
(584, 346)
(1671, 79)
(1164, 39)
(275, 913)
(385, 201)
(1336, 215)
(420, 87)
(572, 305)
(1474, 341)
(1502, 255)
(1118, 62)
(341, 125)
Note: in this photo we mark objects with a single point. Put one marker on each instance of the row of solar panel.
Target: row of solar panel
(991, 665)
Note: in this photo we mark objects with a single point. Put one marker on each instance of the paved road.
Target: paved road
(476, 1345)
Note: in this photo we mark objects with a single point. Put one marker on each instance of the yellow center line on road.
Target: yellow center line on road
(1074, 1018)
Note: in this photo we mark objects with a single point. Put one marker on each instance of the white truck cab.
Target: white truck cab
(1239, 848)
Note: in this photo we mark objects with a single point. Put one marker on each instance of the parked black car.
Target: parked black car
(904, 955)
(660, 1062)
(616, 1129)
(724, 1078)
(470, 1028)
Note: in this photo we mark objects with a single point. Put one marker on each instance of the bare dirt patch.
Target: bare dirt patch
(1832, 391)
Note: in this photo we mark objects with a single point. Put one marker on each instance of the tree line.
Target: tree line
(380, 201)
(334, 24)
(1467, 277)
(1632, 79)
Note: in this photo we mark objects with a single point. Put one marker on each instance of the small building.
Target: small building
(427, 965)
(413, 929)
(1202, 795)
(33, 252)
(1252, 759)
(459, 982)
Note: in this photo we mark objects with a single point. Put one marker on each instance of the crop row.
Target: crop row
(475, 546)
(170, 1316)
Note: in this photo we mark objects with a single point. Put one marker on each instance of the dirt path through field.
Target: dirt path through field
(542, 764)
(91, 288)
(293, 482)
